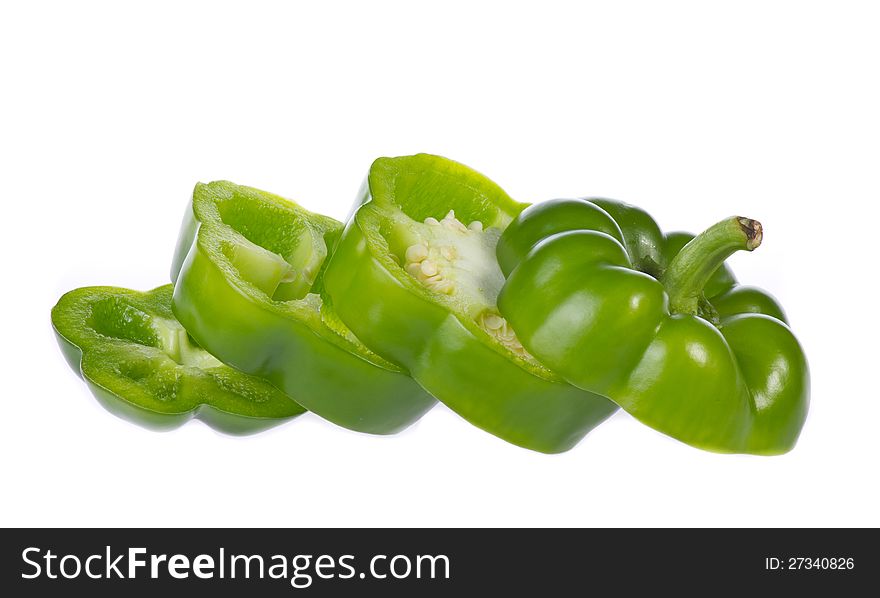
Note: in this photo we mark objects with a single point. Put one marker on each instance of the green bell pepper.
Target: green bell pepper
(415, 277)
(656, 323)
(141, 365)
(248, 287)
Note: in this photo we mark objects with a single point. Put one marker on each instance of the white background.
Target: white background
(696, 111)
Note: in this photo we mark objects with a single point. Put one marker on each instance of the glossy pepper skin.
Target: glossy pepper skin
(656, 323)
(142, 366)
(425, 331)
(248, 275)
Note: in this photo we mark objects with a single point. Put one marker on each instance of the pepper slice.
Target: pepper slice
(415, 277)
(658, 324)
(141, 365)
(248, 288)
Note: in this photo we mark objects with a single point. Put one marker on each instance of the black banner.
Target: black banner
(406, 562)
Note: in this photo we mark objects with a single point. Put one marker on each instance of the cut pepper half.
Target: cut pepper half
(415, 276)
(656, 323)
(248, 287)
(141, 364)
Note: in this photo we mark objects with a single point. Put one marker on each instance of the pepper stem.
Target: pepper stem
(697, 261)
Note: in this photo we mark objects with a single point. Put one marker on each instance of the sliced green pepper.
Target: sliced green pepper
(415, 277)
(248, 288)
(141, 365)
(658, 324)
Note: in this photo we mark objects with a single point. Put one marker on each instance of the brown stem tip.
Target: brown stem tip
(753, 230)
